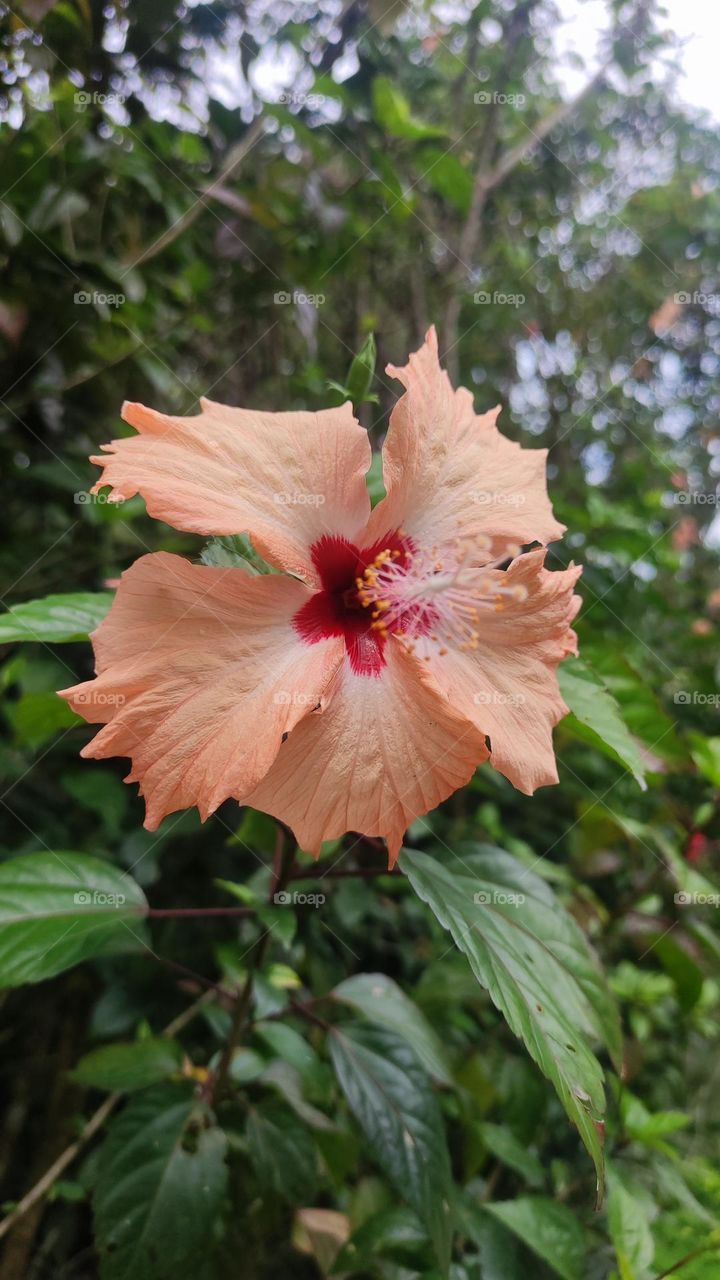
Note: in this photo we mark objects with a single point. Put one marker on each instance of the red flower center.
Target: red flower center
(337, 609)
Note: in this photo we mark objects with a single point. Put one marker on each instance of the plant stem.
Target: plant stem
(283, 859)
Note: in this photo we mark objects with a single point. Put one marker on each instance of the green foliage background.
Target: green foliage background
(166, 172)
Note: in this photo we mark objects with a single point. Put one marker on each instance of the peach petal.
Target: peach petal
(508, 685)
(200, 674)
(387, 750)
(283, 478)
(450, 473)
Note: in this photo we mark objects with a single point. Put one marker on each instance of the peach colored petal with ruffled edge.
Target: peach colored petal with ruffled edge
(283, 478)
(388, 749)
(508, 685)
(449, 472)
(200, 673)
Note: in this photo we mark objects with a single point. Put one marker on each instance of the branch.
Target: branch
(487, 181)
(282, 864)
(232, 164)
(94, 1124)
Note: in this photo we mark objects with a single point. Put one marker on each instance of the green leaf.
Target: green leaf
(362, 372)
(392, 111)
(37, 717)
(161, 1184)
(288, 1044)
(100, 791)
(384, 1003)
(246, 1065)
(375, 481)
(281, 919)
(537, 967)
(596, 716)
(393, 1102)
(57, 909)
(286, 1079)
(551, 1230)
(283, 1153)
(706, 754)
(448, 176)
(55, 619)
(128, 1066)
(500, 1252)
(505, 1146)
(629, 1229)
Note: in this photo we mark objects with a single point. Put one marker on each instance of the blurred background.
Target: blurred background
(228, 200)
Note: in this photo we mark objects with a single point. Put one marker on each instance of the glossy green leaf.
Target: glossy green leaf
(550, 1229)
(393, 1102)
(55, 619)
(282, 1152)
(385, 1003)
(57, 909)
(128, 1066)
(161, 1186)
(537, 967)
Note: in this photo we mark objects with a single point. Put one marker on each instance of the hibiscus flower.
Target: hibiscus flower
(394, 652)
